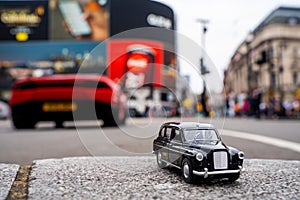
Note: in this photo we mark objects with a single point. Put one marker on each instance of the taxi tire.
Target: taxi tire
(161, 164)
(187, 171)
(233, 177)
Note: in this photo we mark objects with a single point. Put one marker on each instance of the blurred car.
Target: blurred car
(67, 97)
(4, 110)
(197, 150)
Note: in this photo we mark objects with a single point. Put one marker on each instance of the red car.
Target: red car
(69, 97)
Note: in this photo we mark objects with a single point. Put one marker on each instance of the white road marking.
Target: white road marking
(294, 146)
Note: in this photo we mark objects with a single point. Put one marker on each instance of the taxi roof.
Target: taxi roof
(189, 125)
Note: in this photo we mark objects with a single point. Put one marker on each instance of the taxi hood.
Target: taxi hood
(208, 147)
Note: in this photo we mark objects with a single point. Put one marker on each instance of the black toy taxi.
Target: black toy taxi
(197, 149)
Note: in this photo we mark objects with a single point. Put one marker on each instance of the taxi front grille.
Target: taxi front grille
(220, 159)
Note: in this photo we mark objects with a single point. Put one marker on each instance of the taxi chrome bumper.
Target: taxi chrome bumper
(206, 173)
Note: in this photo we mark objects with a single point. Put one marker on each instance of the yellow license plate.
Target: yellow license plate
(59, 107)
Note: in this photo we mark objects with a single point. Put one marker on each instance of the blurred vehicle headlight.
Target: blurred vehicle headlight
(38, 73)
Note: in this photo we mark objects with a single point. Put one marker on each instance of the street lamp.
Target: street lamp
(248, 41)
(203, 69)
(281, 70)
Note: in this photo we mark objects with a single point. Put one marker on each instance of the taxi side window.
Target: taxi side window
(162, 132)
(168, 133)
(177, 136)
(173, 134)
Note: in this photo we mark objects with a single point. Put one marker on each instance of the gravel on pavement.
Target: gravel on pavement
(140, 178)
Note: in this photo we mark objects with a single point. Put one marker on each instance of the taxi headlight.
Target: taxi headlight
(199, 156)
(241, 155)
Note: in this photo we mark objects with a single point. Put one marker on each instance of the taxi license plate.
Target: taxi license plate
(59, 107)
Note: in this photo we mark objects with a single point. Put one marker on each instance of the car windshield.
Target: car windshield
(200, 135)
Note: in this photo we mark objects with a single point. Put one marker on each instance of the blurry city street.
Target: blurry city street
(87, 138)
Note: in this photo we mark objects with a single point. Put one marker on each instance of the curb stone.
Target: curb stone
(8, 174)
(140, 178)
(19, 188)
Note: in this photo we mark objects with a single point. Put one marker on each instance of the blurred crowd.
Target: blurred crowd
(254, 105)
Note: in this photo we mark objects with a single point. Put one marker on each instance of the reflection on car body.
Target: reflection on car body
(197, 150)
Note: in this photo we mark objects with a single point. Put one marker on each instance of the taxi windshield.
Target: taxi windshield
(200, 135)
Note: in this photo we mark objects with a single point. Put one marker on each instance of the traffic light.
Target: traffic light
(203, 69)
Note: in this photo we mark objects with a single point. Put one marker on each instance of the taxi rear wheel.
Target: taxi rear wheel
(160, 162)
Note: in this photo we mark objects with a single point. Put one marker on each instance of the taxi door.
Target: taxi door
(163, 144)
(174, 145)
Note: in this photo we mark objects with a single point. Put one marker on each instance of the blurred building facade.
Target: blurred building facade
(269, 58)
(22, 56)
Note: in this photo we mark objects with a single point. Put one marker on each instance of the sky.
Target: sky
(229, 22)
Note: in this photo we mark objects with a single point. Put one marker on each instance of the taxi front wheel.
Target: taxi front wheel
(187, 171)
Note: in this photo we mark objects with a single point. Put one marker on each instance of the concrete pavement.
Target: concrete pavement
(140, 178)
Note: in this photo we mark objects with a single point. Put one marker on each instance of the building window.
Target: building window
(263, 58)
(273, 79)
(271, 53)
(295, 52)
(295, 78)
(164, 96)
(256, 75)
(292, 21)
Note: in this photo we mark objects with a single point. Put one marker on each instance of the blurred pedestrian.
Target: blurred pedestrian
(245, 107)
(256, 102)
(237, 108)
(296, 108)
(288, 107)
